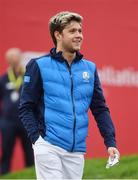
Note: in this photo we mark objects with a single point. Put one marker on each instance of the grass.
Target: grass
(94, 169)
(126, 169)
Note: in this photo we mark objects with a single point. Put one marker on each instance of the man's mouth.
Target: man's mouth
(77, 41)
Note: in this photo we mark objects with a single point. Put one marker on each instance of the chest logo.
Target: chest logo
(86, 76)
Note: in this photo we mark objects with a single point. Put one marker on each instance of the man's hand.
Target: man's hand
(114, 157)
(112, 151)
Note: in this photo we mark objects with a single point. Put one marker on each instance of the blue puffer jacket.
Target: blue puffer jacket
(56, 98)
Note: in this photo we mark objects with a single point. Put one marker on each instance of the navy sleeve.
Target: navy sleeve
(102, 115)
(30, 96)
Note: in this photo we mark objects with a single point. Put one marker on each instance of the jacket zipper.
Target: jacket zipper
(73, 105)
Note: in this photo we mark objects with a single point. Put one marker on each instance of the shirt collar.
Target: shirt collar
(59, 56)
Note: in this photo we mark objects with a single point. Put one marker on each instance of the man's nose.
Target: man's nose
(79, 34)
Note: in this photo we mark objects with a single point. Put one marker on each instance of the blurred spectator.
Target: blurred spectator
(10, 126)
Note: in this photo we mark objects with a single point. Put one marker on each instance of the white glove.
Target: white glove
(112, 161)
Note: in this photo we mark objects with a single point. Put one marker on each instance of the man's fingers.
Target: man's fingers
(112, 151)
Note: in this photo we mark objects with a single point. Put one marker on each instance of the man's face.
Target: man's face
(14, 59)
(71, 37)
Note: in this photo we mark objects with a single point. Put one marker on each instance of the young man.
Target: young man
(58, 90)
(10, 126)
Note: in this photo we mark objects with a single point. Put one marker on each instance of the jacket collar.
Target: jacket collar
(58, 55)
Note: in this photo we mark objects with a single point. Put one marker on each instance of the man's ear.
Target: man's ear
(57, 35)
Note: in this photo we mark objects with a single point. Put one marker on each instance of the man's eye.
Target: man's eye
(80, 31)
(72, 31)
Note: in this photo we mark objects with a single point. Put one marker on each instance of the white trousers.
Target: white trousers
(52, 162)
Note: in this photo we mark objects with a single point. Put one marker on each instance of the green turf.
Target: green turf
(94, 169)
(126, 169)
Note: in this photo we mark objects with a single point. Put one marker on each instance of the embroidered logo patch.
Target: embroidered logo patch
(27, 79)
(86, 76)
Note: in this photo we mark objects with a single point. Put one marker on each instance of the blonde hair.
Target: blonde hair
(59, 21)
